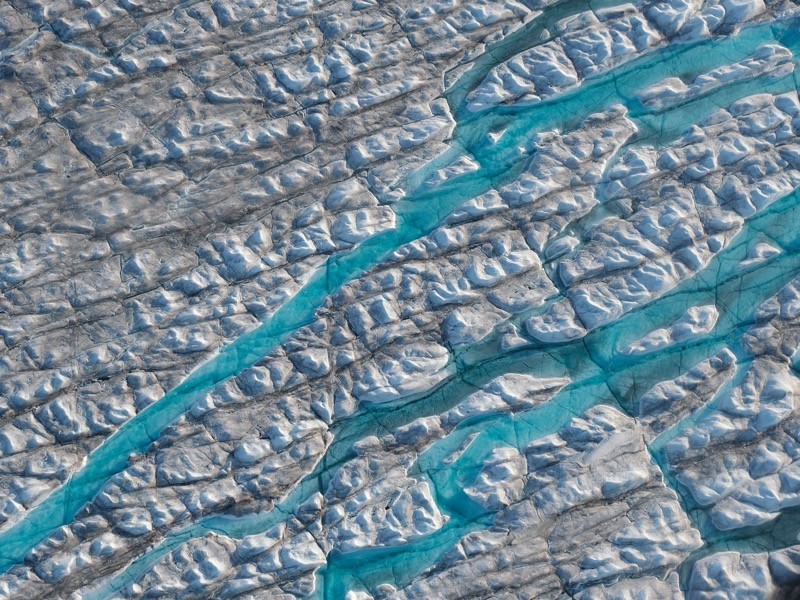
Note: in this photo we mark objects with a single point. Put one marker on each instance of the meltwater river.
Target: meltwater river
(599, 374)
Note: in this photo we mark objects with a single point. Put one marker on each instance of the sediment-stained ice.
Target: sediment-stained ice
(372, 500)
(172, 194)
(745, 575)
(747, 479)
(592, 509)
(382, 299)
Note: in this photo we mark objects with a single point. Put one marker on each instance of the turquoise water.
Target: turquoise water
(231, 526)
(537, 31)
(366, 569)
(769, 537)
(605, 376)
(619, 86)
(419, 215)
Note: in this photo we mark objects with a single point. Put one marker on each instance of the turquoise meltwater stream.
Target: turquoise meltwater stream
(419, 214)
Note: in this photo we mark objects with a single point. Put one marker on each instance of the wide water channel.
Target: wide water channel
(599, 374)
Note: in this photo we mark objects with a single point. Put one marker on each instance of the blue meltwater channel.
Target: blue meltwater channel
(419, 214)
(600, 373)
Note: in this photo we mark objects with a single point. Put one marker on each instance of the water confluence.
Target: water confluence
(419, 214)
(604, 376)
(601, 375)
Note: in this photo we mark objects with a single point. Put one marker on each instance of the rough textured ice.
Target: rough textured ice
(587, 509)
(390, 299)
(771, 59)
(696, 322)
